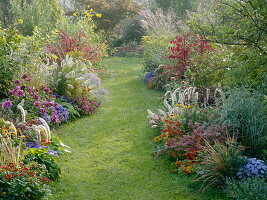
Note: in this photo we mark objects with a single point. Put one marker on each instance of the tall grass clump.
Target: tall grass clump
(244, 111)
(160, 28)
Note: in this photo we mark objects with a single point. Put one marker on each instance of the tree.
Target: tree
(113, 12)
(241, 26)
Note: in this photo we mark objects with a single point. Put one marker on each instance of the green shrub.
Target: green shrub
(45, 14)
(10, 41)
(245, 111)
(155, 51)
(43, 157)
(246, 189)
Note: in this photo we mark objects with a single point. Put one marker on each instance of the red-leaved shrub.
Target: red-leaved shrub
(77, 46)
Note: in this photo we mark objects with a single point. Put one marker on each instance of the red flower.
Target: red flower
(8, 177)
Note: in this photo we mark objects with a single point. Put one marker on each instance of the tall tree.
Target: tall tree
(113, 11)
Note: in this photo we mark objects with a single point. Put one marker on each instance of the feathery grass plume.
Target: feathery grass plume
(23, 112)
(45, 127)
(10, 150)
(159, 23)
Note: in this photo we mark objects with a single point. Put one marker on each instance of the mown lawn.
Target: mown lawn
(112, 151)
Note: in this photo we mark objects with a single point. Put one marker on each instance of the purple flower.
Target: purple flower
(43, 110)
(13, 92)
(37, 104)
(7, 104)
(17, 82)
(30, 90)
(20, 93)
(36, 96)
(55, 119)
(28, 79)
(24, 76)
(52, 103)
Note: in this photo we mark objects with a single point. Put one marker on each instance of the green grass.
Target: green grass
(112, 151)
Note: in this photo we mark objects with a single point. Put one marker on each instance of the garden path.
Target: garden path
(112, 150)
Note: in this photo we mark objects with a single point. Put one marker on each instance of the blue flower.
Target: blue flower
(253, 168)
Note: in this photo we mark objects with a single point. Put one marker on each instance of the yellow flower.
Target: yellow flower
(88, 6)
(5, 131)
(188, 107)
(74, 14)
(157, 139)
(171, 116)
(20, 21)
(91, 10)
(179, 105)
(23, 136)
(98, 15)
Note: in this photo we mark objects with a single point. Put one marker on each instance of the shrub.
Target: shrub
(85, 106)
(78, 46)
(246, 189)
(155, 51)
(9, 42)
(244, 111)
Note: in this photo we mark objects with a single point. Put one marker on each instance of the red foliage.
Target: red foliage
(77, 45)
(185, 48)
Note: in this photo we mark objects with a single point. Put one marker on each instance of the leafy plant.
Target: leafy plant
(246, 189)
(43, 156)
(78, 46)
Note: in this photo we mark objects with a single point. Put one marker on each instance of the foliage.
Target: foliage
(9, 42)
(131, 30)
(185, 50)
(221, 161)
(73, 79)
(158, 23)
(78, 47)
(43, 156)
(27, 181)
(155, 51)
(180, 7)
(113, 12)
(246, 189)
(45, 14)
(241, 26)
(244, 111)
